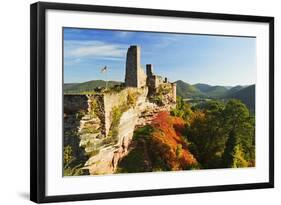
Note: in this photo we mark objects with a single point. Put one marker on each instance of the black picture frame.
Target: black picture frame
(38, 100)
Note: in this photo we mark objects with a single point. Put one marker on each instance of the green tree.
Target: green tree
(182, 109)
(222, 135)
(240, 131)
(206, 135)
(230, 150)
(68, 159)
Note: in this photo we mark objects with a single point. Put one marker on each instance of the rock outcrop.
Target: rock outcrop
(105, 161)
(106, 127)
(106, 124)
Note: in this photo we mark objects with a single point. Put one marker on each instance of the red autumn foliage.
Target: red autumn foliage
(169, 142)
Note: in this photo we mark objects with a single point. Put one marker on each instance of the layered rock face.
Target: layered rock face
(75, 107)
(106, 129)
(105, 124)
(106, 160)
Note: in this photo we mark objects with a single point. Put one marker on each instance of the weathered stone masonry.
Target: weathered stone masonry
(135, 76)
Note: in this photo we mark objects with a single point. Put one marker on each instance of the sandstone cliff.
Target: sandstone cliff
(106, 122)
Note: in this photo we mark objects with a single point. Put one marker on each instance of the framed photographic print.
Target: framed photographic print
(129, 102)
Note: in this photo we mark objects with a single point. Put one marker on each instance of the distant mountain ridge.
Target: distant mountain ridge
(186, 90)
(202, 87)
(244, 93)
(234, 90)
(247, 95)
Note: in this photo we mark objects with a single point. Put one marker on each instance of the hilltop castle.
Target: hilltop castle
(136, 77)
(101, 125)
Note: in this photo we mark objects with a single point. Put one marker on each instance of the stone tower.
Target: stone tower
(149, 70)
(135, 76)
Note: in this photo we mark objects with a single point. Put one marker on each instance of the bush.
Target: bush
(132, 98)
(137, 159)
(159, 147)
(182, 109)
(69, 162)
(157, 99)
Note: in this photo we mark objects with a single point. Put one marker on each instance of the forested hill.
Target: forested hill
(87, 86)
(211, 91)
(244, 93)
(186, 90)
(199, 90)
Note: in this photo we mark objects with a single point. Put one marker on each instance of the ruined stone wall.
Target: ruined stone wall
(75, 107)
(112, 148)
(153, 81)
(112, 100)
(152, 84)
(167, 92)
(75, 103)
(141, 78)
(174, 92)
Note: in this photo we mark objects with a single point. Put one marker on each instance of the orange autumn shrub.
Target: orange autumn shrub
(169, 143)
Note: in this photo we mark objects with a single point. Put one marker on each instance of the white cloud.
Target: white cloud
(94, 49)
(72, 61)
(167, 41)
(123, 34)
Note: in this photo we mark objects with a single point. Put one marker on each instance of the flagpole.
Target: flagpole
(106, 83)
(104, 70)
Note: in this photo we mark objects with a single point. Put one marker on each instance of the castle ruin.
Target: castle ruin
(136, 77)
(103, 123)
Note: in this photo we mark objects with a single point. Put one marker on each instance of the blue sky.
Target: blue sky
(215, 60)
